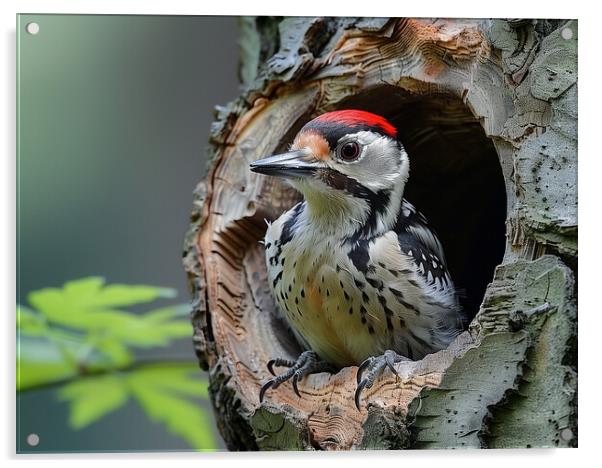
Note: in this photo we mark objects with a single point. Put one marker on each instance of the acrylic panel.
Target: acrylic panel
(295, 233)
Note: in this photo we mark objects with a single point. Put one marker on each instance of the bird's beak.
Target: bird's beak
(298, 163)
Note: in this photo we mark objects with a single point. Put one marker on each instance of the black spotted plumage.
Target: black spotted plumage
(415, 238)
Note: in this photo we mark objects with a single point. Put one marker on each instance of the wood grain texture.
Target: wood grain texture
(509, 380)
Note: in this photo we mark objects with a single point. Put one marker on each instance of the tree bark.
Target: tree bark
(509, 85)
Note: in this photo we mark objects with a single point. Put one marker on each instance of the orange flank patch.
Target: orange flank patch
(314, 297)
(315, 142)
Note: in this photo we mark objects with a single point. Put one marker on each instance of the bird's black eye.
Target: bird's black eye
(349, 151)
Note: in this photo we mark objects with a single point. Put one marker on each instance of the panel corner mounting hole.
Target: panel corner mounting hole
(566, 33)
(32, 28)
(33, 440)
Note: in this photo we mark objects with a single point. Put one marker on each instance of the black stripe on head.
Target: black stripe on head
(334, 131)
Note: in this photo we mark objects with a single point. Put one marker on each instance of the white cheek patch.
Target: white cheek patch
(379, 165)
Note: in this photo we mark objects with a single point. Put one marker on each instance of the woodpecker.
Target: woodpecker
(355, 269)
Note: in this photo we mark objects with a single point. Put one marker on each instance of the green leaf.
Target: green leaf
(147, 334)
(167, 313)
(112, 355)
(154, 328)
(31, 374)
(87, 303)
(181, 416)
(30, 322)
(178, 378)
(91, 292)
(119, 295)
(82, 329)
(41, 362)
(91, 398)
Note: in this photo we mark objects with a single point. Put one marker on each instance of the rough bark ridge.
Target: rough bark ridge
(510, 379)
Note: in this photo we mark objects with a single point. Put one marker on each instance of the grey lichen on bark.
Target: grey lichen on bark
(510, 379)
(512, 387)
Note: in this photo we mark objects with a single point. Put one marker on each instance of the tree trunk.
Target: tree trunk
(487, 110)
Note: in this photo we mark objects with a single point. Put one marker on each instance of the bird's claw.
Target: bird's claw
(307, 363)
(295, 380)
(280, 363)
(264, 389)
(374, 367)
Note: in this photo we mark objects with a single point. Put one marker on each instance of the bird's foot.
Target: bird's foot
(307, 363)
(373, 367)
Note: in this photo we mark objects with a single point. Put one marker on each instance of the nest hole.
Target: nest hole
(456, 181)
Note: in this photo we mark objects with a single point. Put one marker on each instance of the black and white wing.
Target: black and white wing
(420, 242)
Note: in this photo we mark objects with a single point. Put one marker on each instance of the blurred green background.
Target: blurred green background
(113, 120)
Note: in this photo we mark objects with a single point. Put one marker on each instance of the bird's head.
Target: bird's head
(343, 162)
